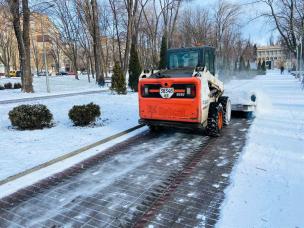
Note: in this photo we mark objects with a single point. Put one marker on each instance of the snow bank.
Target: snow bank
(267, 186)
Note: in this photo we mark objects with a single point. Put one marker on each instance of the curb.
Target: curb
(68, 155)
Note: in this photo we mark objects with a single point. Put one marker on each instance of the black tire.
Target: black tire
(154, 128)
(226, 103)
(214, 124)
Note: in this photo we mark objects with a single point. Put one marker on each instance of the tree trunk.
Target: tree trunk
(128, 45)
(74, 62)
(132, 10)
(97, 45)
(14, 8)
(115, 21)
(27, 76)
(4, 59)
(57, 54)
(7, 69)
(8, 57)
(88, 71)
(92, 66)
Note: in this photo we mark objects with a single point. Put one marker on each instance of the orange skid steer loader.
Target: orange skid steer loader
(186, 95)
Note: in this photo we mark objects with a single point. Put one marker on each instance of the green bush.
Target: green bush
(29, 117)
(8, 85)
(17, 85)
(118, 80)
(2, 87)
(83, 115)
(134, 69)
(163, 53)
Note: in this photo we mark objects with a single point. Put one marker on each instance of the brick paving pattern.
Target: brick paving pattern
(170, 179)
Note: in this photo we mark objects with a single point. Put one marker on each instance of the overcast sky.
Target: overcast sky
(258, 30)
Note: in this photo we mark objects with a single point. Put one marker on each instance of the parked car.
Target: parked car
(18, 73)
(12, 73)
(71, 73)
(61, 73)
(42, 73)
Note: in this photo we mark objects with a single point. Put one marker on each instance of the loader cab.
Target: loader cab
(190, 58)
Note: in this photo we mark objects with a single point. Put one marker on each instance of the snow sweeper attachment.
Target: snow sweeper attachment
(186, 94)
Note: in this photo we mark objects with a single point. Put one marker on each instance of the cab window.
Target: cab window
(207, 59)
(212, 59)
(183, 59)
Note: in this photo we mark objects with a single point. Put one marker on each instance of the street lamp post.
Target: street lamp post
(301, 58)
(48, 90)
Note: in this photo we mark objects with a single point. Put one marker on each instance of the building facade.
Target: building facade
(275, 56)
(44, 38)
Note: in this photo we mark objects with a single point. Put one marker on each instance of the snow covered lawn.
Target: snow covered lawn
(21, 150)
(267, 186)
(58, 85)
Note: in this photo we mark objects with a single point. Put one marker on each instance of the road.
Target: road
(168, 179)
(50, 97)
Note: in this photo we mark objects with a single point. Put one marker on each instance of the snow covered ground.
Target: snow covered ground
(267, 186)
(21, 150)
(58, 85)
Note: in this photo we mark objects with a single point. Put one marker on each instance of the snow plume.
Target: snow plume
(264, 103)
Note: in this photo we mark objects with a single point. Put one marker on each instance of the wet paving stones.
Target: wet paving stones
(170, 179)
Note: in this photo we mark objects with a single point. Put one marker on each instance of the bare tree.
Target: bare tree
(89, 13)
(85, 42)
(55, 51)
(196, 27)
(153, 27)
(226, 16)
(98, 54)
(67, 21)
(22, 29)
(35, 52)
(27, 75)
(170, 11)
(288, 18)
(115, 11)
(132, 8)
(7, 41)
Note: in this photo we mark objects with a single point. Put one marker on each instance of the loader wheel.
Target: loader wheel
(154, 128)
(226, 103)
(215, 119)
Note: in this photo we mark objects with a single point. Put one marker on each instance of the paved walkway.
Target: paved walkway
(170, 179)
(50, 97)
